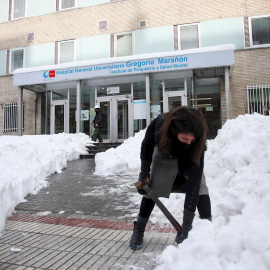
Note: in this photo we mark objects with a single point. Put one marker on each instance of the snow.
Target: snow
(237, 169)
(26, 161)
(15, 250)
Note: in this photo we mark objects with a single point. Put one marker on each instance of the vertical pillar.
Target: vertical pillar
(227, 94)
(185, 95)
(20, 111)
(147, 89)
(78, 107)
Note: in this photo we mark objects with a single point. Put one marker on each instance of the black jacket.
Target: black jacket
(99, 119)
(186, 165)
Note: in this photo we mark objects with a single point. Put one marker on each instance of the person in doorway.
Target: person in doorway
(173, 147)
(98, 124)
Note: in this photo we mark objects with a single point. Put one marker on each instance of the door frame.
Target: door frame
(114, 116)
(168, 94)
(66, 115)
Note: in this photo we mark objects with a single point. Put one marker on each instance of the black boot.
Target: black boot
(138, 233)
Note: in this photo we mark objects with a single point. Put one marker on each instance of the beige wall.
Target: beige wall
(251, 67)
(122, 16)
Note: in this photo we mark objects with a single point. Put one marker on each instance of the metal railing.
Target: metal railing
(258, 98)
(10, 123)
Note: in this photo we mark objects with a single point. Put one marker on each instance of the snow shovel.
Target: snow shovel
(161, 206)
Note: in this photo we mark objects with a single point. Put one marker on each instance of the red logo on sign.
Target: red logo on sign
(51, 73)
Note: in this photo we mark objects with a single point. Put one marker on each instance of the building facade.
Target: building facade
(136, 58)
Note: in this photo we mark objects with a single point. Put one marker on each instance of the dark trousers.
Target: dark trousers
(97, 135)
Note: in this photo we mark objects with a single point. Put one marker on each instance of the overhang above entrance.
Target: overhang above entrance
(202, 60)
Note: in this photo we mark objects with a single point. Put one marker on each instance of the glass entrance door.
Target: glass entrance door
(173, 100)
(105, 107)
(122, 119)
(117, 118)
(59, 119)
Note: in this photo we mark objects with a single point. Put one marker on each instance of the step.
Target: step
(97, 148)
(87, 156)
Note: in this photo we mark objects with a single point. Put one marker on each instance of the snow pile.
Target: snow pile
(26, 161)
(123, 159)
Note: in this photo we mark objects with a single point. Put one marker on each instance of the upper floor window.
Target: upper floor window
(18, 9)
(16, 59)
(66, 51)
(260, 30)
(123, 44)
(67, 4)
(189, 37)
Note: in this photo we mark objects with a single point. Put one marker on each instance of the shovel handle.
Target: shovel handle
(161, 206)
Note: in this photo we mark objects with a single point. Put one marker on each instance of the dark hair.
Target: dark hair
(184, 120)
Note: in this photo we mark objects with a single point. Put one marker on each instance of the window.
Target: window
(11, 117)
(258, 98)
(260, 31)
(65, 4)
(16, 59)
(18, 9)
(66, 52)
(189, 37)
(124, 45)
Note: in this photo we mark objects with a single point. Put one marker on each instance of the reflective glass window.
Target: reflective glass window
(260, 31)
(189, 37)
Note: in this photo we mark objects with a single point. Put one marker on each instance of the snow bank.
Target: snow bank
(26, 161)
(123, 159)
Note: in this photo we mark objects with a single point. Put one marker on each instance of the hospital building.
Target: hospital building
(134, 58)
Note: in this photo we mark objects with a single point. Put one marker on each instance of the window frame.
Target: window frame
(10, 58)
(60, 5)
(59, 50)
(122, 34)
(10, 109)
(179, 34)
(250, 31)
(258, 99)
(12, 11)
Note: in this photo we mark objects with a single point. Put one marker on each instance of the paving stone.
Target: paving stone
(85, 258)
(25, 256)
(72, 261)
(21, 255)
(107, 264)
(89, 263)
(58, 256)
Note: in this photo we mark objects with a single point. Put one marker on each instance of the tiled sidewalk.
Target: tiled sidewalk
(92, 231)
(69, 243)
